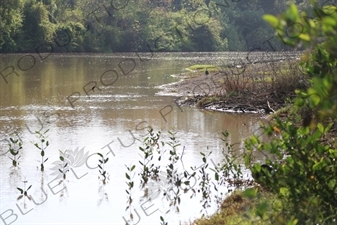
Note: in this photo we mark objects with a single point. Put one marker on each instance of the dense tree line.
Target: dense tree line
(137, 25)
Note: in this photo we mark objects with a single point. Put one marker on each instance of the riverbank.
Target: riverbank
(256, 88)
(238, 208)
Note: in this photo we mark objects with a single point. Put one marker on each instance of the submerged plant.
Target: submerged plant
(24, 191)
(103, 173)
(15, 145)
(61, 167)
(149, 170)
(205, 182)
(130, 184)
(42, 145)
(169, 182)
(162, 221)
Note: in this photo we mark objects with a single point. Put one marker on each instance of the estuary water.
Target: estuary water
(103, 103)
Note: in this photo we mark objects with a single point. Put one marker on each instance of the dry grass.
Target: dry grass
(276, 77)
(205, 100)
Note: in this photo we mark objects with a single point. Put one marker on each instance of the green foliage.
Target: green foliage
(205, 182)
(36, 27)
(104, 175)
(304, 162)
(151, 144)
(11, 18)
(129, 176)
(236, 41)
(15, 146)
(63, 166)
(107, 26)
(42, 145)
(24, 191)
(203, 67)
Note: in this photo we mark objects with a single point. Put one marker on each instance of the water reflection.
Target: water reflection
(116, 115)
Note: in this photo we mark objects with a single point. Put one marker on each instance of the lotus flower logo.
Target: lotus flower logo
(68, 160)
(157, 186)
(167, 186)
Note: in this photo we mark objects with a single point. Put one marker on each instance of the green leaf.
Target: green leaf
(13, 152)
(216, 176)
(315, 98)
(327, 128)
(250, 193)
(254, 140)
(272, 20)
(133, 167)
(319, 165)
(304, 37)
(284, 191)
(106, 160)
(127, 176)
(20, 190)
(292, 12)
(262, 209)
(320, 127)
(99, 154)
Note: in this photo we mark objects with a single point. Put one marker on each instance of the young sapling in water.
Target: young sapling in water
(23, 192)
(103, 173)
(15, 145)
(42, 146)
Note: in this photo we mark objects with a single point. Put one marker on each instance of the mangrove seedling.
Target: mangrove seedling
(103, 173)
(61, 167)
(129, 176)
(15, 145)
(162, 221)
(42, 145)
(151, 145)
(23, 191)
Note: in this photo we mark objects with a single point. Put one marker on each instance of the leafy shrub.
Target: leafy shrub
(305, 165)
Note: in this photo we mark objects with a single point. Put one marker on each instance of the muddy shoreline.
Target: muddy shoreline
(207, 92)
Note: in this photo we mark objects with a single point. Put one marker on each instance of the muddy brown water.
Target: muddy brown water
(56, 93)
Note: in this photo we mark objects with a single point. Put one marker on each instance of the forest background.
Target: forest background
(138, 25)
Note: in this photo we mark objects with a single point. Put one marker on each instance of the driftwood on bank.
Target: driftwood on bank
(229, 106)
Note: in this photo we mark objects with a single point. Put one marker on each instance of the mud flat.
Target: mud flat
(210, 91)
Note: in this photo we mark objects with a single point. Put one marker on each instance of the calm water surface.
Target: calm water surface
(55, 93)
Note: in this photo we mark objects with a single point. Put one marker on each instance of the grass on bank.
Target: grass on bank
(206, 100)
(238, 208)
(276, 82)
(210, 68)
